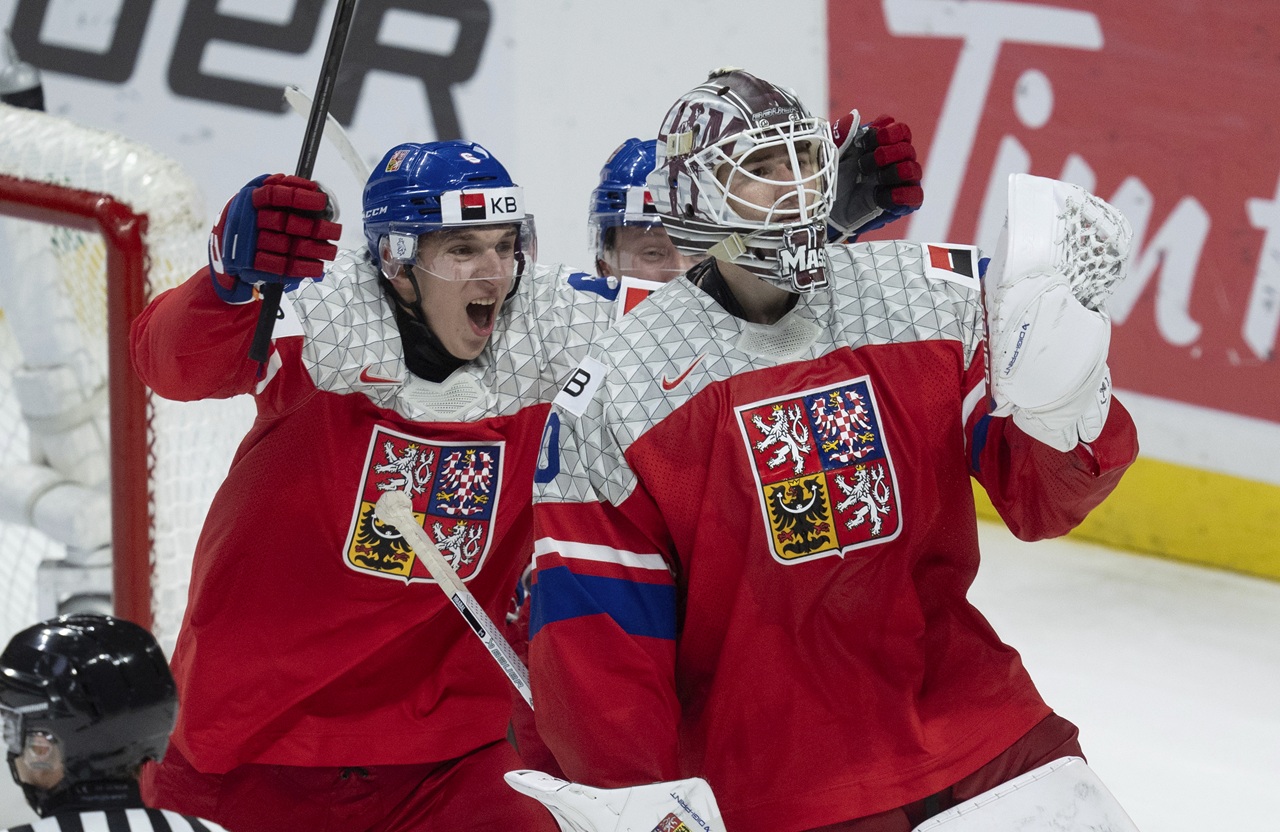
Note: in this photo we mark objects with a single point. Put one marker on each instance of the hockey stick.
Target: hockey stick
(272, 292)
(395, 509)
(302, 104)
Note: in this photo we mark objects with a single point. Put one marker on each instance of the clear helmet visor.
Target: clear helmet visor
(15, 712)
(496, 251)
(643, 251)
(779, 175)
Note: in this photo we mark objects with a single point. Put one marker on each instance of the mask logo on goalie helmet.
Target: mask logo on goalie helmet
(822, 470)
(803, 257)
(454, 488)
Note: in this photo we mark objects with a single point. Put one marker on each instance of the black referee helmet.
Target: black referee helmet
(97, 687)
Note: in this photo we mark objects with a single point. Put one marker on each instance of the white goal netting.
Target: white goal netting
(56, 388)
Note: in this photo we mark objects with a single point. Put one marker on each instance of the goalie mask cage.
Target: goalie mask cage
(92, 226)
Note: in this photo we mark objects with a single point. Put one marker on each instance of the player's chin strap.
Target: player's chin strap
(1062, 796)
(729, 248)
(796, 261)
(674, 805)
(424, 355)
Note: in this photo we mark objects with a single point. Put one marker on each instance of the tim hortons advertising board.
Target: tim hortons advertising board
(1167, 110)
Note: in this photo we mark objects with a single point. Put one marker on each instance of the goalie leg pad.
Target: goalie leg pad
(1062, 796)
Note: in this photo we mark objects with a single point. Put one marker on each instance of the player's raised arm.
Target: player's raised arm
(1048, 335)
(192, 341)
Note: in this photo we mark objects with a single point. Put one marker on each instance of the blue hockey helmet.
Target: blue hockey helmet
(419, 188)
(624, 228)
(622, 198)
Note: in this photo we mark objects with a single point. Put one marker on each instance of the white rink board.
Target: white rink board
(558, 87)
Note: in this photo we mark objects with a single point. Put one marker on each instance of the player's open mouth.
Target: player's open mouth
(481, 313)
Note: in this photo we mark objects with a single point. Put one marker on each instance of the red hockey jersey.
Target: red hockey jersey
(752, 560)
(313, 636)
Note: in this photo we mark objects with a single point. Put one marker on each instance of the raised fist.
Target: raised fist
(277, 229)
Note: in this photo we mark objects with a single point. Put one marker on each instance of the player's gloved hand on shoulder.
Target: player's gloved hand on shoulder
(1061, 254)
(648, 808)
(277, 229)
(879, 179)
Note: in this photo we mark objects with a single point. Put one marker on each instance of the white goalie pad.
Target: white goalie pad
(1060, 255)
(674, 806)
(1062, 796)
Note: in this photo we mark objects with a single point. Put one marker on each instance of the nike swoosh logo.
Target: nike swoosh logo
(671, 384)
(367, 377)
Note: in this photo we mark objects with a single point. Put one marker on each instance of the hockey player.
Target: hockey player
(755, 531)
(86, 700)
(325, 683)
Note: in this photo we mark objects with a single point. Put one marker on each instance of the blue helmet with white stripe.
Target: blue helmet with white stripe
(419, 188)
(625, 230)
(622, 198)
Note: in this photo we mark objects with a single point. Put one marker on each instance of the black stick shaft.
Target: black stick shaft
(272, 292)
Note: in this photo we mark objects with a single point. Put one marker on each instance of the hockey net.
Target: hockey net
(97, 476)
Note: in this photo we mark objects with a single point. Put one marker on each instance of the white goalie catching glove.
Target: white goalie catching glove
(675, 806)
(1060, 255)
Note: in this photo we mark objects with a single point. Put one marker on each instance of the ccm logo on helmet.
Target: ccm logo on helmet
(489, 205)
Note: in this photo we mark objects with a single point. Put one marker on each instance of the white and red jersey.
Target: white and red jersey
(752, 560)
(313, 636)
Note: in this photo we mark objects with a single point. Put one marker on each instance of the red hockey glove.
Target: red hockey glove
(277, 229)
(879, 179)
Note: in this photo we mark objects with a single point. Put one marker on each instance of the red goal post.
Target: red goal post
(126, 294)
(92, 226)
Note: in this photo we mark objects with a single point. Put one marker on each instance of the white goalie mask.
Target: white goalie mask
(747, 175)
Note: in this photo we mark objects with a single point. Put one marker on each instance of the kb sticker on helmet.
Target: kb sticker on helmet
(488, 205)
